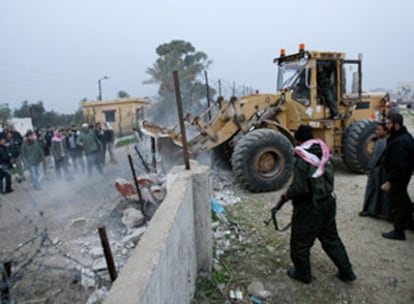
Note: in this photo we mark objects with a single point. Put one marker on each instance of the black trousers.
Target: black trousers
(5, 175)
(328, 94)
(311, 221)
(401, 207)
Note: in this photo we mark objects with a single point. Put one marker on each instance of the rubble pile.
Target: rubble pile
(125, 224)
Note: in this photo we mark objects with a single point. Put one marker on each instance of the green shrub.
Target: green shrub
(125, 142)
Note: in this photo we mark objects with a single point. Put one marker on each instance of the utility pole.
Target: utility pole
(100, 87)
(207, 94)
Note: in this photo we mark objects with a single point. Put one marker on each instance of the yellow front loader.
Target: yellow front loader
(257, 130)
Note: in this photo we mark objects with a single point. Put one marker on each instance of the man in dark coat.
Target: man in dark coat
(376, 201)
(314, 208)
(91, 147)
(4, 131)
(15, 141)
(5, 166)
(100, 135)
(326, 89)
(75, 151)
(32, 155)
(398, 165)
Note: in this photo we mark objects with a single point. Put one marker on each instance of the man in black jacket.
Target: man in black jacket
(314, 209)
(15, 140)
(326, 88)
(5, 166)
(100, 135)
(75, 151)
(398, 165)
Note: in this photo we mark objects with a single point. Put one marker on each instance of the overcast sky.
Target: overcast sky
(56, 51)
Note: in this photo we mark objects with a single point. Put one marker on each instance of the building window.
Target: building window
(109, 116)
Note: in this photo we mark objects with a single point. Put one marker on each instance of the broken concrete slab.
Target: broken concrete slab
(87, 278)
(77, 222)
(134, 236)
(96, 252)
(132, 218)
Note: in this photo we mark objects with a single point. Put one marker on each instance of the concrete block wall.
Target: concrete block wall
(175, 248)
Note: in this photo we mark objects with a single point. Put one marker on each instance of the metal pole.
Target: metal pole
(99, 89)
(135, 178)
(207, 94)
(360, 75)
(154, 154)
(5, 293)
(108, 254)
(219, 87)
(181, 120)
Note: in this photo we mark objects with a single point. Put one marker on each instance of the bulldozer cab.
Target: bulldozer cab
(306, 75)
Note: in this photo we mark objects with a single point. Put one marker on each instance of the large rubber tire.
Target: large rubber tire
(358, 144)
(262, 160)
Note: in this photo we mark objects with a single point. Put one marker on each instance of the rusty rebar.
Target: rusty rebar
(154, 154)
(181, 120)
(135, 177)
(108, 253)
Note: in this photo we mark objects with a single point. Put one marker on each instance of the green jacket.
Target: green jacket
(32, 153)
(88, 141)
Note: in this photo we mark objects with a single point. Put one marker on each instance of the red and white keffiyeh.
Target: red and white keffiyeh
(311, 158)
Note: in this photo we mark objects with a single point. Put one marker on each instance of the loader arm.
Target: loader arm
(234, 116)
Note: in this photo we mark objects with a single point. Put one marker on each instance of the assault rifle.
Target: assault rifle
(274, 210)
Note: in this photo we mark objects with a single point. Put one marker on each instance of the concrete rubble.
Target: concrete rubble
(134, 236)
(99, 264)
(87, 278)
(257, 289)
(125, 225)
(226, 197)
(151, 188)
(96, 252)
(132, 218)
(97, 296)
(77, 222)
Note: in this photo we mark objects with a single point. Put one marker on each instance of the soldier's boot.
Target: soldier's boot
(298, 277)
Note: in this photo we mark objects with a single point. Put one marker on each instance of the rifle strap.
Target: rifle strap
(277, 226)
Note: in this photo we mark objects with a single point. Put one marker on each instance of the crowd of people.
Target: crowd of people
(69, 151)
